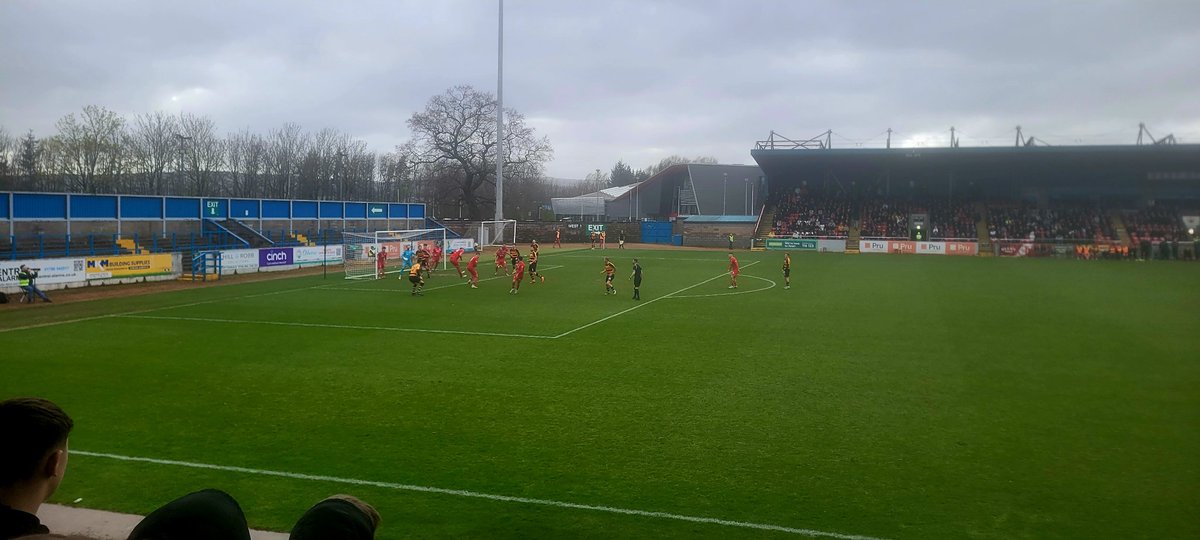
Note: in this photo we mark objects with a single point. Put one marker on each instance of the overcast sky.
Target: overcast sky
(636, 80)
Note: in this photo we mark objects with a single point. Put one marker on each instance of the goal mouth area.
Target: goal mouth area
(493, 233)
(362, 251)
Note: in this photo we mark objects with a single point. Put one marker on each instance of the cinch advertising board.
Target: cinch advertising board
(127, 266)
(464, 243)
(275, 257)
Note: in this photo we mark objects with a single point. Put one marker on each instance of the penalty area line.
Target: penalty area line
(405, 284)
(668, 295)
(152, 310)
(332, 326)
(812, 533)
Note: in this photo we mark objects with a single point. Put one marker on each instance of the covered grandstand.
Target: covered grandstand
(1101, 195)
(41, 225)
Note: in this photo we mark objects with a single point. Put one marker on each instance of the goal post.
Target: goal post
(362, 251)
(495, 233)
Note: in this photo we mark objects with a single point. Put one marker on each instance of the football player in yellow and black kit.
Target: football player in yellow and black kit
(414, 276)
(534, 276)
(787, 270)
(610, 270)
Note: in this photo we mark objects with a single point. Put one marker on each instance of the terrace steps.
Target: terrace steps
(129, 245)
(1118, 225)
(981, 231)
(852, 239)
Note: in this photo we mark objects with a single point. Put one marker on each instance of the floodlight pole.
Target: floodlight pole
(724, 189)
(500, 116)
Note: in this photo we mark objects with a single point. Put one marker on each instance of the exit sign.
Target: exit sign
(214, 208)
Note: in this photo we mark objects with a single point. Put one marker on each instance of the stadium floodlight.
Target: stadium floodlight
(361, 251)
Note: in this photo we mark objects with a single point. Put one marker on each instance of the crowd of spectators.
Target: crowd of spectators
(799, 213)
(33, 461)
(1062, 222)
(1155, 224)
(887, 218)
(953, 220)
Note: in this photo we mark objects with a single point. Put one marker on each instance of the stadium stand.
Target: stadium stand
(1060, 222)
(887, 218)
(1155, 224)
(810, 216)
(953, 221)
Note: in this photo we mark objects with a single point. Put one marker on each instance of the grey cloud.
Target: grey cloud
(633, 80)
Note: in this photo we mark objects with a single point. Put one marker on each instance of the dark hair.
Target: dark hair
(31, 429)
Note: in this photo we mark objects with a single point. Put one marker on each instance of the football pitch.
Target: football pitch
(881, 397)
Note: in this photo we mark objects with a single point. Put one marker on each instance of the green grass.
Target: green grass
(886, 396)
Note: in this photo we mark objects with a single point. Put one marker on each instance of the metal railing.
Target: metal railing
(48, 246)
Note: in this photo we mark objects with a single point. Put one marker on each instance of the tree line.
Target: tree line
(449, 162)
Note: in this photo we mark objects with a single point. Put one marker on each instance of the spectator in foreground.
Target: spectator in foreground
(340, 516)
(196, 516)
(215, 514)
(33, 460)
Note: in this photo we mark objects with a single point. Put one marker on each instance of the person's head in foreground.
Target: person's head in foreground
(341, 516)
(196, 516)
(33, 451)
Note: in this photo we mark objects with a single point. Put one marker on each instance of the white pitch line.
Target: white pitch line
(612, 256)
(771, 286)
(151, 310)
(619, 313)
(334, 326)
(488, 496)
(381, 289)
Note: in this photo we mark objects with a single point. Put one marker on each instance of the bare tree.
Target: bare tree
(203, 154)
(456, 135)
(285, 150)
(7, 159)
(247, 164)
(28, 154)
(395, 176)
(152, 146)
(90, 149)
(677, 160)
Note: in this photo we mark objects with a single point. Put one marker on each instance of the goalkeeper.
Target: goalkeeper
(406, 258)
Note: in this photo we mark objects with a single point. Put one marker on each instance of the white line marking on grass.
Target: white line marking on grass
(488, 496)
(668, 295)
(333, 326)
(150, 310)
(613, 256)
(464, 283)
(760, 289)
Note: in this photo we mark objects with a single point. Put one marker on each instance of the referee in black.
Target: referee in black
(636, 276)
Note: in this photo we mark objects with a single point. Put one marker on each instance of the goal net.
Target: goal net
(495, 233)
(377, 254)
